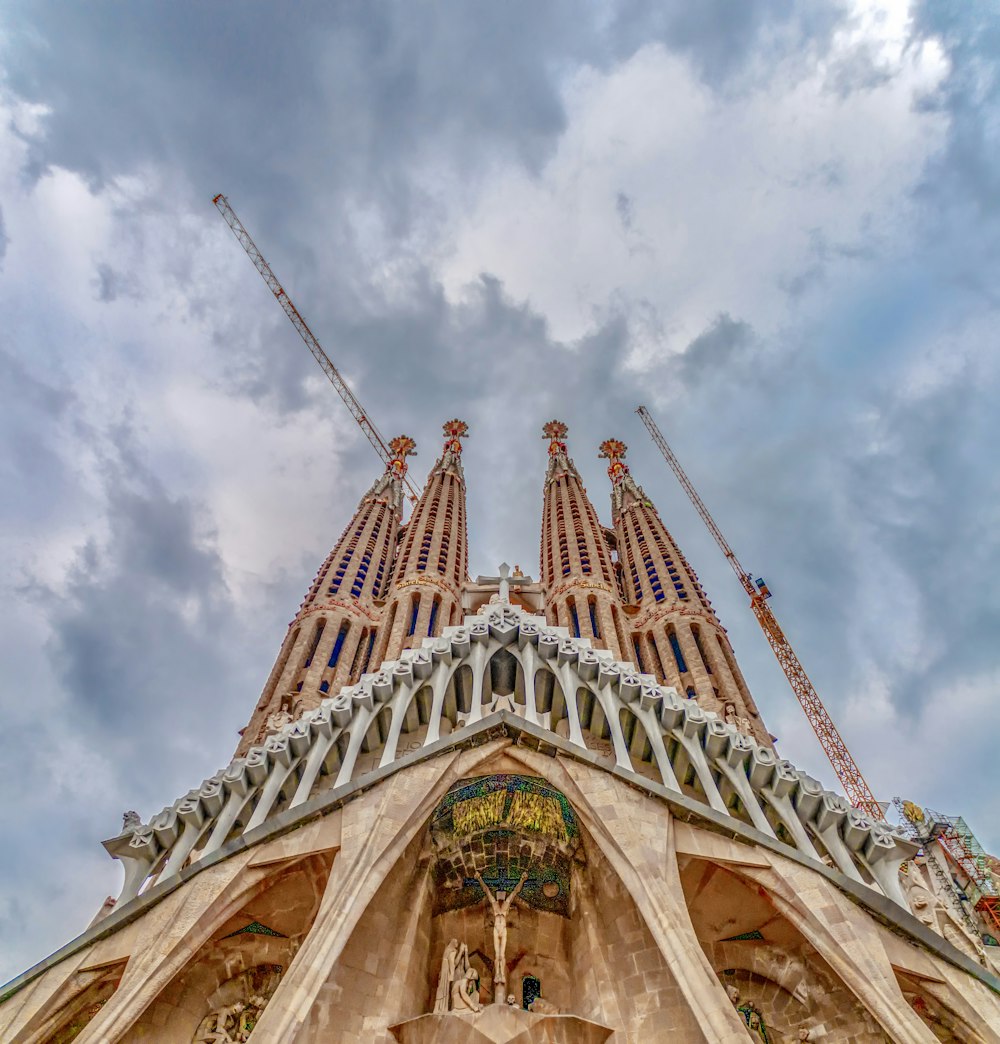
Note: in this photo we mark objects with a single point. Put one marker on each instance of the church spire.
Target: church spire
(329, 642)
(675, 632)
(433, 559)
(576, 568)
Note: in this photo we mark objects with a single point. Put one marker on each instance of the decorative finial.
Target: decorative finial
(402, 446)
(453, 431)
(613, 450)
(555, 431)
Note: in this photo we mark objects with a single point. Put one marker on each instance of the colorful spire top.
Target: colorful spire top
(613, 450)
(555, 431)
(453, 431)
(402, 446)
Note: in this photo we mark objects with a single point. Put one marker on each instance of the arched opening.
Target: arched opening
(547, 688)
(531, 989)
(619, 630)
(359, 655)
(458, 696)
(505, 676)
(378, 730)
(87, 992)
(244, 958)
(658, 668)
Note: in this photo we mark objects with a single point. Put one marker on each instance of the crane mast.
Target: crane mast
(851, 779)
(326, 364)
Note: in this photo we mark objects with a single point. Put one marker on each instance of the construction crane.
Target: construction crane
(326, 365)
(851, 779)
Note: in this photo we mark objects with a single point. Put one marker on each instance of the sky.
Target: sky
(775, 223)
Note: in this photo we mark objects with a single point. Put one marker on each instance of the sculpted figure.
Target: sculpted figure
(248, 1018)
(131, 820)
(931, 911)
(734, 995)
(803, 1034)
(446, 977)
(465, 992)
(500, 912)
(214, 1026)
(276, 721)
(511, 1001)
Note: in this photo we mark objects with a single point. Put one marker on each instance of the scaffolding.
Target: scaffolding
(962, 850)
(961, 845)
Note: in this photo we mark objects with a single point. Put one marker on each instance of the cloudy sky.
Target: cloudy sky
(775, 223)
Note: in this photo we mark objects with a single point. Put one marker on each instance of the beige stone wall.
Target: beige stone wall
(643, 951)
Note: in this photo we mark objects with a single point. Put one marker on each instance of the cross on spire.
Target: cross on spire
(504, 580)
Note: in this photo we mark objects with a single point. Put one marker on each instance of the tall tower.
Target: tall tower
(329, 643)
(581, 590)
(432, 563)
(675, 632)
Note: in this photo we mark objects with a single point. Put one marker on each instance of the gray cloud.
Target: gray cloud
(723, 39)
(714, 351)
(969, 169)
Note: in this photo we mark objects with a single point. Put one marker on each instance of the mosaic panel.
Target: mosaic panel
(503, 826)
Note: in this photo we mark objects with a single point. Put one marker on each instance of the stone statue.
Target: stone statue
(804, 1034)
(465, 992)
(214, 1028)
(276, 721)
(931, 911)
(446, 977)
(511, 1000)
(754, 1021)
(131, 820)
(248, 1018)
(500, 912)
(234, 1023)
(734, 995)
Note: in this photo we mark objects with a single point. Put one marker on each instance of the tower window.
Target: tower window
(368, 650)
(638, 655)
(315, 642)
(338, 645)
(697, 641)
(575, 616)
(415, 603)
(531, 990)
(678, 655)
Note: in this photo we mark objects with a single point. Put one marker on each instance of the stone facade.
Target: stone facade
(508, 830)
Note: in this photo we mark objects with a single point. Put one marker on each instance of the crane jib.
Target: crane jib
(830, 739)
(271, 280)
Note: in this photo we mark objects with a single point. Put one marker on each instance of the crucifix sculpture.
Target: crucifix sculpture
(500, 912)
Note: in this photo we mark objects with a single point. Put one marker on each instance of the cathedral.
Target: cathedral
(510, 809)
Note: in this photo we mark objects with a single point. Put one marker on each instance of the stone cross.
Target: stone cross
(504, 580)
